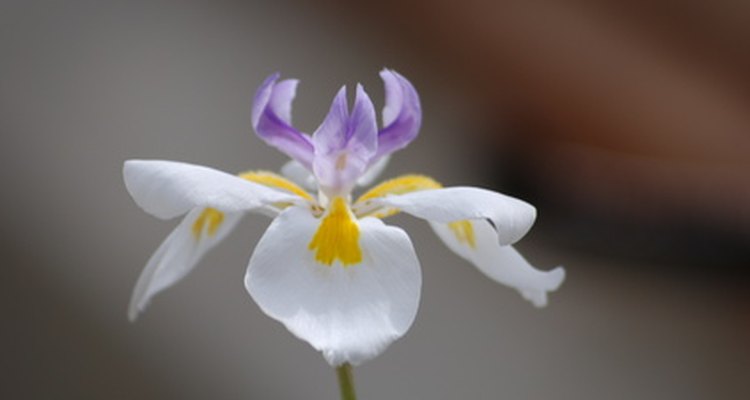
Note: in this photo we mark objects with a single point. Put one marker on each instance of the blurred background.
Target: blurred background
(626, 123)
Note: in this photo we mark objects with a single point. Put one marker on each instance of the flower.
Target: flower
(328, 267)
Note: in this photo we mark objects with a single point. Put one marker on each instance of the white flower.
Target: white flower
(329, 268)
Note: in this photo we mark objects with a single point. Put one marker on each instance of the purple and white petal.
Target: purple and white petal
(345, 143)
(271, 118)
(330, 136)
(402, 114)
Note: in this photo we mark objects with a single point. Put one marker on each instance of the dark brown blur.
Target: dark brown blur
(626, 123)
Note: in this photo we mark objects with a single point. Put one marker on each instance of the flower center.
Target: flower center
(337, 237)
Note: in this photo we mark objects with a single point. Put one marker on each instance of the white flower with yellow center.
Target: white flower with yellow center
(328, 268)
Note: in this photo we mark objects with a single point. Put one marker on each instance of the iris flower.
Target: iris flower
(328, 267)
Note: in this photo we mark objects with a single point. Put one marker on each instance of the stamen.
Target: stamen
(337, 237)
(211, 218)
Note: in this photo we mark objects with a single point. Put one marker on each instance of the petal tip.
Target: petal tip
(401, 115)
(552, 281)
(556, 278)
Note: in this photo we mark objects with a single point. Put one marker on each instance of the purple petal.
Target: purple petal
(363, 127)
(331, 134)
(402, 114)
(271, 118)
(344, 143)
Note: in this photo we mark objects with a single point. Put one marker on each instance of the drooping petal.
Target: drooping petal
(167, 189)
(402, 114)
(349, 313)
(272, 119)
(344, 143)
(512, 218)
(198, 232)
(476, 241)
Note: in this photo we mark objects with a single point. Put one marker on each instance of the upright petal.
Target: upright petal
(198, 232)
(330, 137)
(167, 189)
(402, 114)
(502, 264)
(344, 144)
(272, 119)
(512, 218)
(349, 313)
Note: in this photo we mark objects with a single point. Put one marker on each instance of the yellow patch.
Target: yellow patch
(210, 219)
(400, 185)
(464, 232)
(276, 181)
(337, 237)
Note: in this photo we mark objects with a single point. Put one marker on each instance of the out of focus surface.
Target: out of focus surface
(627, 125)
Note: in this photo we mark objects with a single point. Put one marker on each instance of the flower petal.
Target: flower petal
(331, 134)
(502, 264)
(167, 189)
(344, 144)
(272, 119)
(297, 173)
(511, 217)
(373, 172)
(350, 314)
(178, 255)
(402, 114)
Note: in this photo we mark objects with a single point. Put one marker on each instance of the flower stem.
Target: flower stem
(346, 382)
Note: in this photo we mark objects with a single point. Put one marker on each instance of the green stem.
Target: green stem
(346, 382)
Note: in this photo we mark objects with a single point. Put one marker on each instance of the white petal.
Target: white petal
(297, 173)
(512, 217)
(502, 263)
(167, 189)
(350, 314)
(373, 171)
(175, 257)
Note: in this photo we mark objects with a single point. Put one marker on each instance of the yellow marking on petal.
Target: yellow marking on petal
(464, 232)
(400, 185)
(276, 181)
(337, 237)
(211, 219)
